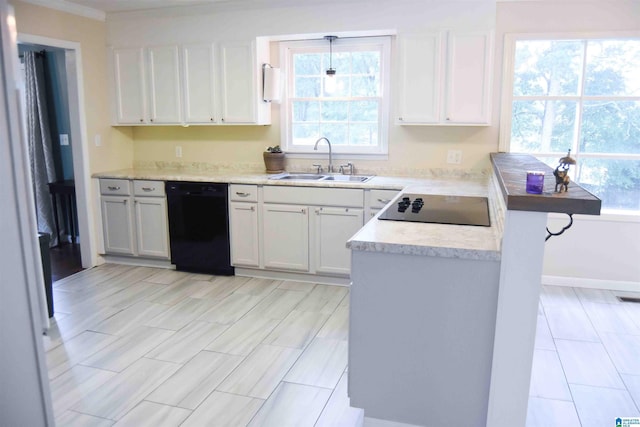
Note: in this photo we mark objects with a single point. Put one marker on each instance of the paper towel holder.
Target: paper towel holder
(270, 83)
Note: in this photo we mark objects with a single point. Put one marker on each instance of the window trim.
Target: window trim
(381, 42)
(506, 101)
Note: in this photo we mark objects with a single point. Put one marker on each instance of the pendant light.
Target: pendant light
(330, 77)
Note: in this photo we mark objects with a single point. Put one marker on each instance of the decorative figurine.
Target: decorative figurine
(561, 172)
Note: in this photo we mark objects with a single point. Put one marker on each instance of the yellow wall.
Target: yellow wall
(116, 151)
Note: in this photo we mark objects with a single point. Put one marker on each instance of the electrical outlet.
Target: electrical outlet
(64, 139)
(454, 157)
(98, 140)
(178, 151)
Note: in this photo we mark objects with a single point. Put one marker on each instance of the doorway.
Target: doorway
(82, 227)
(46, 126)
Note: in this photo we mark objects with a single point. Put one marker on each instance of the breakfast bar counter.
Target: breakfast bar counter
(443, 317)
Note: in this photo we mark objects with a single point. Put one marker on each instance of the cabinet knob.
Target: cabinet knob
(346, 209)
(222, 119)
(303, 210)
(125, 201)
(400, 119)
(151, 120)
(448, 118)
(241, 194)
(112, 188)
(148, 188)
(253, 208)
(211, 119)
(141, 120)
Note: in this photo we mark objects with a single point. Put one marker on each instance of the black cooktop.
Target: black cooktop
(456, 210)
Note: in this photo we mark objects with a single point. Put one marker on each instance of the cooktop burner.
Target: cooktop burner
(456, 210)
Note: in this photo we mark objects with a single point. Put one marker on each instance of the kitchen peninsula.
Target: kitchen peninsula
(465, 301)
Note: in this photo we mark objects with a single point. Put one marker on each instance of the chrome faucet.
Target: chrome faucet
(330, 168)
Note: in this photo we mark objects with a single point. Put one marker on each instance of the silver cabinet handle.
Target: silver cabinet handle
(148, 188)
(241, 194)
(385, 201)
(112, 188)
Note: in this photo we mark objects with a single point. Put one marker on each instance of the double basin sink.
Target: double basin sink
(320, 177)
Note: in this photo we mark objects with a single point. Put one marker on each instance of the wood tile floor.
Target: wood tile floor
(138, 346)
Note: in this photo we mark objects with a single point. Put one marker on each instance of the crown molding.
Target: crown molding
(69, 7)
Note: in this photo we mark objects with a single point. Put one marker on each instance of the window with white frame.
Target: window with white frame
(581, 94)
(354, 115)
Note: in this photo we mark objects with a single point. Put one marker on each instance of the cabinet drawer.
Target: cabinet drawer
(243, 193)
(148, 188)
(380, 198)
(348, 197)
(115, 187)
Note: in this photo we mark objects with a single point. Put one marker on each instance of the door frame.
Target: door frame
(78, 131)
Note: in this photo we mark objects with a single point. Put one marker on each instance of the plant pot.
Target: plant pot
(274, 162)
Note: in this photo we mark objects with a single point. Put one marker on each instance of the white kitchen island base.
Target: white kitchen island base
(421, 337)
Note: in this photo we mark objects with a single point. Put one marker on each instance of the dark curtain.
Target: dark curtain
(39, 141)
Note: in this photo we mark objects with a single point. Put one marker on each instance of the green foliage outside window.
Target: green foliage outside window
(583, 95)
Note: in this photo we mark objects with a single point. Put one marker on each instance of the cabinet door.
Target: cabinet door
(333, 227)
(128, 69)
(237, 69)
(164, 85)
(151, 226)
(117, 223)
(285, 239)
(199, 77)
(469, 77)
(245, 248)
(420, 78)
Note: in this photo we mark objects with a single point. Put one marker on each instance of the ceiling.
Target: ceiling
(129, 5)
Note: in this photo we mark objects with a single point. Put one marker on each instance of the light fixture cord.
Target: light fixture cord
(330, 54)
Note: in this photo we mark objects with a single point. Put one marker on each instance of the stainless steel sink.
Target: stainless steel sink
(298, 176)
(319, 177)
(348, 178)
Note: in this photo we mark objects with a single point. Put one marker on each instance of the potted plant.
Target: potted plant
(274, 159)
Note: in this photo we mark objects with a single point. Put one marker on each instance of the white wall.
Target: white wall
(24, 384)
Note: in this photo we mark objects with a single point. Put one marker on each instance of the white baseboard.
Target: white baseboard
(138, 261)
(300, 277)
(579, 282)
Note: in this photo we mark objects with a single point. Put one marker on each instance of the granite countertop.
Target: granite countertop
(378, 182)
(452, 241)
(511, 170)
(442, 240)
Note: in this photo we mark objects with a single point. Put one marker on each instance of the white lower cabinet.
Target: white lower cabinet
(286, 237)
(245, 247)
(306, 229)
(151, 226)
(333, 227)
(134, 218)
(117, 222)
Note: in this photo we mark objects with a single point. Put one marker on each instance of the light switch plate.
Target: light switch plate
(178, 151)
(64, 139)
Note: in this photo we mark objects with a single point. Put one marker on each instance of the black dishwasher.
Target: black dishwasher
(199, 227)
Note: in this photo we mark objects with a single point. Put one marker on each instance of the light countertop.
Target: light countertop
(451, 241)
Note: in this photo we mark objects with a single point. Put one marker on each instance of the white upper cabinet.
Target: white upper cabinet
(164, 85)
(238, 82)
(199, 83)
(179, 84)
(129, 81)
(445, 78)
(419, 71)
(469, 67)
